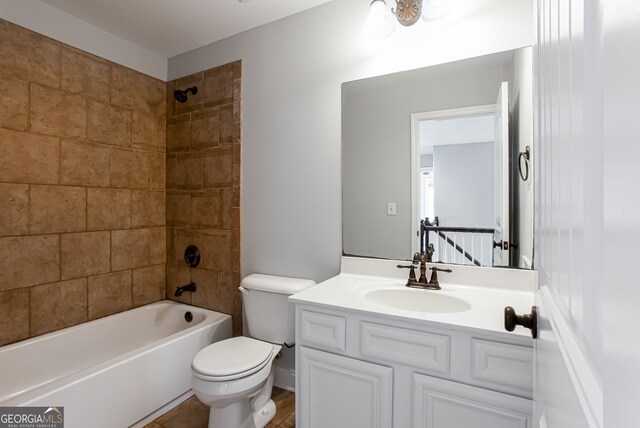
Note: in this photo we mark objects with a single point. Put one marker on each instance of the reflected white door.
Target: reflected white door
(501, 147)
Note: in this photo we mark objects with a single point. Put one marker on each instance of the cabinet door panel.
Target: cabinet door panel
(441, 403)
(341, 392)
(503, 366)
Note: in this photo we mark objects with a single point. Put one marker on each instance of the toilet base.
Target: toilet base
(263, 416)
(239, 415)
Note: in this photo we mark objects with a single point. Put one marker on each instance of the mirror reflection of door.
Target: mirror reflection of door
(501, 247)
(460, 183)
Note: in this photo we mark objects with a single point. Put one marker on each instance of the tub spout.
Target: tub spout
(189, 287)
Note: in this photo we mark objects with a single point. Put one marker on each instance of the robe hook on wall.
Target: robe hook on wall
(526, 155)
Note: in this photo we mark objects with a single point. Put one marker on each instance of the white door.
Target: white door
(587, 223)
(570, 219)
(439, 403)
(341, 392)
(501, 168)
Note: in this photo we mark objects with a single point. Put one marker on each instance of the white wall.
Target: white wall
(293, 69)
(54, 23)
(463, 185)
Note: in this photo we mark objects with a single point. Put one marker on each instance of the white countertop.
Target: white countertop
(488, 296)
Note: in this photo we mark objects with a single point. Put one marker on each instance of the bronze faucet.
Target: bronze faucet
(189, 287)
(422, 259)
(422, 282)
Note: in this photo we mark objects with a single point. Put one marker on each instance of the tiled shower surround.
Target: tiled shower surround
(203, 188)
(83, 188)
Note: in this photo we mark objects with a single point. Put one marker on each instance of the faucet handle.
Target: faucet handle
(412, 272)
(434, 276)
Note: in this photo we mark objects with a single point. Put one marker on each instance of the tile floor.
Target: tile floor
(193, 414)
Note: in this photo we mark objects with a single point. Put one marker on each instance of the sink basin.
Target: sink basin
(417, 300)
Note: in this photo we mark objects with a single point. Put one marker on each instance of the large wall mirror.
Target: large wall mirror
(441, 156)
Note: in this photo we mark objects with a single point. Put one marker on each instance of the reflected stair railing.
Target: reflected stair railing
(461, 245)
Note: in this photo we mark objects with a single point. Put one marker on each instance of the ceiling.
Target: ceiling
(459, 130)
(171, 27)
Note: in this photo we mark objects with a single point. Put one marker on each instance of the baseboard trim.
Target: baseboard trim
(285, 378)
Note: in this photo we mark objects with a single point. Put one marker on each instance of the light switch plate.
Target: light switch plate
(391, 208)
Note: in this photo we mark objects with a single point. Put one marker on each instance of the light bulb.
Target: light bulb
(380, 22)
(433, 10)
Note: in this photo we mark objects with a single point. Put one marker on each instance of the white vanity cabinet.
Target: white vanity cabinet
(343, 392)
(356, 369)
(439, 403)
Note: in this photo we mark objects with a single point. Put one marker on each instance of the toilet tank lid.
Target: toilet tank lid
(275, 284)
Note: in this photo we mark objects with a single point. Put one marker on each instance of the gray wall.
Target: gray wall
(376, 126)
(292, 72)
(464, 185)
(426, 161)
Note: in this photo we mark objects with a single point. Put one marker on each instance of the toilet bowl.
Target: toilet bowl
(234, 377)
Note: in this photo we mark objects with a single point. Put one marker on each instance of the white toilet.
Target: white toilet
(234, 377)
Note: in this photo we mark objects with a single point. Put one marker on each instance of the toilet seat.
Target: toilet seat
(231, 359)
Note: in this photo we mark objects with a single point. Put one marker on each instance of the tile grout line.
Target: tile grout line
(131, 288)
(28, 210)
(60, 48)
(29, 328)
(86, 209)
(86, 285)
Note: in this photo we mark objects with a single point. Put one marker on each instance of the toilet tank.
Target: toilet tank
(270, 316)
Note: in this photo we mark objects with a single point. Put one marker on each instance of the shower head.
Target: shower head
(181, 96)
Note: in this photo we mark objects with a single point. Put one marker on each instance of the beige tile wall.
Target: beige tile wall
(203, 188)
(82, 186)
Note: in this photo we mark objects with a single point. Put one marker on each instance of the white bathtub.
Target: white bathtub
(114, 371)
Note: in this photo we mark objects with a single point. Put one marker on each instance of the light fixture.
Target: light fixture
(408, 11)
(436, 9)
(380, 22)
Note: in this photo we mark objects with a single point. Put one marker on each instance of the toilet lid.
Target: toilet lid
(231, 356)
